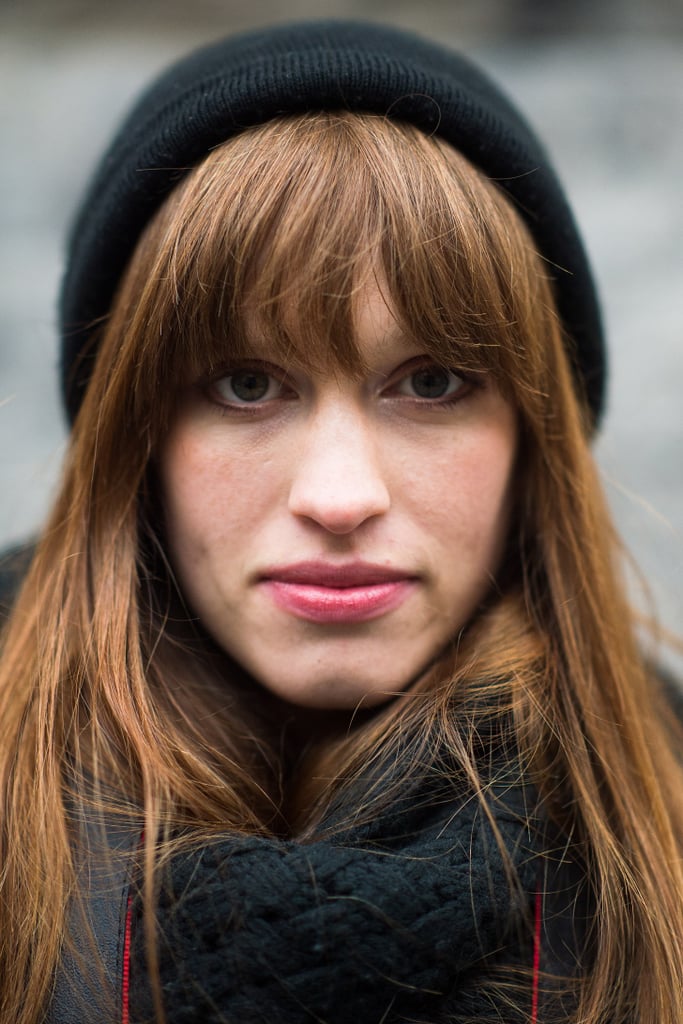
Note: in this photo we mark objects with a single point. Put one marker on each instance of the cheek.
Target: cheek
(466, 492)
(207, 497)
(488, 483)
(189, 491)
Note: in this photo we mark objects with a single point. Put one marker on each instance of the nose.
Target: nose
(337, 482)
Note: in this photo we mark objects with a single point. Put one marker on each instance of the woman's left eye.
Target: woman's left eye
(431, 382)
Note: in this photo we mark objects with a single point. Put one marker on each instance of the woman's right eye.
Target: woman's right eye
(246, 387)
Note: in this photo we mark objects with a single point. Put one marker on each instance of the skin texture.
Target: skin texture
(410, 473)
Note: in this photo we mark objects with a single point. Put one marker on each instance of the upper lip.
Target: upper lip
(327, 574)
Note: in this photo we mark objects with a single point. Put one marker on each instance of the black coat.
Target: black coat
(408, 917)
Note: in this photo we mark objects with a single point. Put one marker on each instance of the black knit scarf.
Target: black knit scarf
(400, 919)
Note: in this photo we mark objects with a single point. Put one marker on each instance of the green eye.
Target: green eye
(431, 383)
(245, 386)
(250, 385)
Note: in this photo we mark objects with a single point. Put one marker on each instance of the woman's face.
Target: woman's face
(334, 534)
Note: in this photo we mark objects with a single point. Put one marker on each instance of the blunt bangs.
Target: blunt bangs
(274, 236)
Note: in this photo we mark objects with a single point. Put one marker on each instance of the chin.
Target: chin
(333, 695)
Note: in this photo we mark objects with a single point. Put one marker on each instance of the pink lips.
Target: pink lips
(325, 593)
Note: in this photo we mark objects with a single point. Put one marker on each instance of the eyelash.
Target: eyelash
(209, 384)
(408, 373)
(403, 375)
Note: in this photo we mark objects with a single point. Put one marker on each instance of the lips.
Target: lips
(324, 593)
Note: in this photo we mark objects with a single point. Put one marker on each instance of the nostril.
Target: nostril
(338, 479)
(340, 513)
(339, 499)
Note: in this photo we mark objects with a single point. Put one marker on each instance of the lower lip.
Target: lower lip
(339, 604)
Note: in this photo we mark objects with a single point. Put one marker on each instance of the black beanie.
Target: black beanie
(248, 79)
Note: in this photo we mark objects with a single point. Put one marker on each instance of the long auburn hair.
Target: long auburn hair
(106, 691)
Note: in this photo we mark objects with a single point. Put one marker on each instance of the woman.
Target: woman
(321, 699)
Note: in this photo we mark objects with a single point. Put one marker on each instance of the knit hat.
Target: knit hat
(248, 79)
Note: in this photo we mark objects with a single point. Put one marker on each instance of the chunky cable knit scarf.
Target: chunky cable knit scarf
(396, 920)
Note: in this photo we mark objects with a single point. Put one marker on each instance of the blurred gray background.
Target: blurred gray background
(602, 80)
